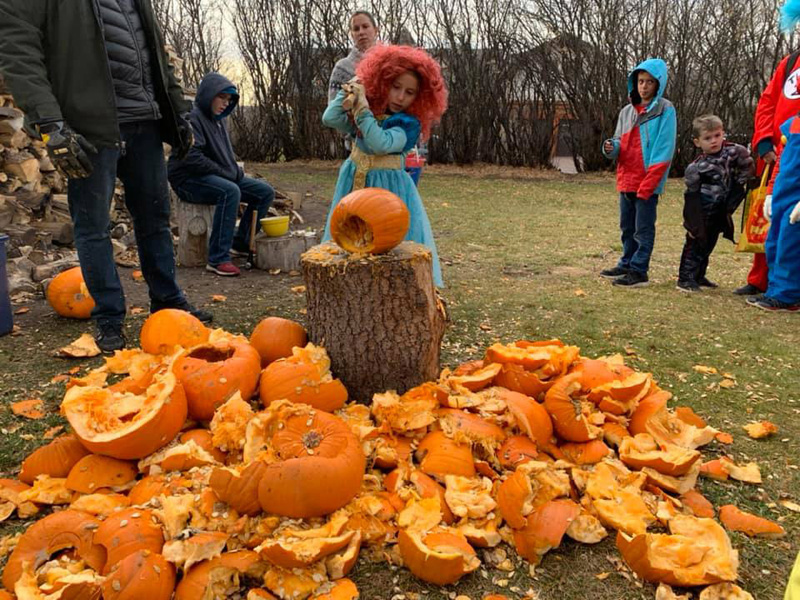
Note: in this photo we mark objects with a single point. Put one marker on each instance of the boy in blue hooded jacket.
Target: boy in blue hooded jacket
(643, 145)
(210, 175)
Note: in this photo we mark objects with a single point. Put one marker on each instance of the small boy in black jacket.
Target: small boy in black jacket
(210, 175)
(715, 186)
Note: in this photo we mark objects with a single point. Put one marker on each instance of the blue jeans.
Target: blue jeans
(226, 194)
(139, 163)
(637, 220)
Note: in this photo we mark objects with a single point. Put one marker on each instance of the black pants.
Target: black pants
(698, 248)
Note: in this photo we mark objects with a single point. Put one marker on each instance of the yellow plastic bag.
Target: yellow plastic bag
(755, 226)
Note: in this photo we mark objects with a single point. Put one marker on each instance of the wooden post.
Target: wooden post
(283, 252)
(194, 229)
(378, 316)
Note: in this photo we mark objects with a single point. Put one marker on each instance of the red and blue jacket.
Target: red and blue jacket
(644, 141)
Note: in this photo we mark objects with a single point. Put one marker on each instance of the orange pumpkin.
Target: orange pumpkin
(585, 453)
(125, 426)
(140, 575)
(343, 589)
(68, 296)
(319, 466)
(94, 472)
(239, 489)
(55, 459)
(574, 419)
(369, 221)
(57, 531)
(211, 372)
(301, 383)
(696, 552)
(544, 529)
(274, 338)
(167, 329)
(424, 485)
(597, 372)
(736, 519)
(204, 439)
(530, 416)
(438, 455)
(517, 379)
(194, 583)
(642, 451)
(440, 557)
(127, 532)
(515, 450)
(648, 407)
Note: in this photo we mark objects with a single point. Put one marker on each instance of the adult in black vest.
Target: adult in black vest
(94, 81)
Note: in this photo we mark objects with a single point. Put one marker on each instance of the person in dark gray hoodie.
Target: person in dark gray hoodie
(209, 174)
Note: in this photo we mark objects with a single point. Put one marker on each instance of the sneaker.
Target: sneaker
(109, 336)
(632, 279)
(748, 290)
(687, 286)
(202, 315)
(239, 253)
(771, 304)
(226, 269)
(613, 272)
(704, 282)
(753, 299)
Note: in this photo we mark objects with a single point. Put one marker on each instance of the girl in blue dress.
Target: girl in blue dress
(398, 94)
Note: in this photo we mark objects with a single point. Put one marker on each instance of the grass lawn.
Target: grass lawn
(521, 251)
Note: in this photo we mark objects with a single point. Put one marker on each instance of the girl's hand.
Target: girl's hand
(359, 95)
(608, 147)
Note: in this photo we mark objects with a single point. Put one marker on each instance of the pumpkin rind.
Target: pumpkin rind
(55, 459)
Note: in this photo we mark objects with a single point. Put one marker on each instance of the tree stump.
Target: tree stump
(194, 229)
(378, 316)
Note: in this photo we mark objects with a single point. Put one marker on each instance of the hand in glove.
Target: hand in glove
(794, 217)
(186, 136)
(768, 207)
(68, 150)
(355, 99)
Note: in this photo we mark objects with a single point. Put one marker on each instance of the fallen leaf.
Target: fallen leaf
(760, 430)
(30, 408)
(630, 351)
(485, 327)
(789, 505)
(137, 275)
(74, 370)
(727, 384)
(53, 432)
(22, 311)
(580, 293)
(83, 347)
(724, 438)
(12, 429)
(705, 370)
(218, 298)
(6, 508)
(445, 204)
(303, 311)
(59, 378)
(602, 576)
(16, 330)
(274, 271)
(299, 289)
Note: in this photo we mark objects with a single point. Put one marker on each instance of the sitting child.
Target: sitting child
(715, 186)
(397, 97)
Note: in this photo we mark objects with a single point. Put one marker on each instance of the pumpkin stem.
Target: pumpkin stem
(312, 439)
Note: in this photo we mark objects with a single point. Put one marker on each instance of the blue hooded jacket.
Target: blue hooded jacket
(212, 153)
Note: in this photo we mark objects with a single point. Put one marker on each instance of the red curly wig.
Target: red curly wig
(382, 64)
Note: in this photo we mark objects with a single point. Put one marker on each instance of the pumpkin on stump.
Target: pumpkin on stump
(370, 221)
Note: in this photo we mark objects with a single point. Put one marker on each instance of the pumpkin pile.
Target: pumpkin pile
(192, 472)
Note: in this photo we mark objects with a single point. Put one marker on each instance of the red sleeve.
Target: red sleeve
(776, 167)
(765, 111)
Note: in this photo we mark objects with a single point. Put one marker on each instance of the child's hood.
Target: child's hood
(657, 68)
(214, 84)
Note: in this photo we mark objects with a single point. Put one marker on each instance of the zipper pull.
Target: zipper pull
(122, 149)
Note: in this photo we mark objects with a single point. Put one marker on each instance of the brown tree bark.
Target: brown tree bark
(378, 316)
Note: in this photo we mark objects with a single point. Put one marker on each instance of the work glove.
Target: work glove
(355, 100)
(185, 137)
(68, 150)
(768, 207)
(794, 217)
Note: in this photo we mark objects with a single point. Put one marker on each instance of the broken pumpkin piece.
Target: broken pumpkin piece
(669, 459)
(288, 552)
(229, 424)
(665, 592)
(587, 529)
(141, 574)
(438, 455)
(529, 416)
(412, 411)
(197, 548)
(574, 419)
(100, 504)
(32, 408)
(344, 589)
(697, 504)
(544, 528)
(94, 472)
(469, 497)
(296, 584)
(585, 453)
(695, 552)
(128, 531)
(760, 429)
(515, 450)
(200, 580)
(725, 591)
(55, 459)
(736, 519)
(473, 381)
(48, 490)
(441, 556)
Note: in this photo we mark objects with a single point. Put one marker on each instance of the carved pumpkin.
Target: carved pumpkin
(94, 472)
(211, 372)
(123, 425)
(369, 221)
(735, 519)
(317, 464)
(55, 532)
(129, 531)
(574, 419)
(696, 552)
(274, 338)
(55, 459)
(68, 296)
(167, 329)
(440, 557)
(140, 575)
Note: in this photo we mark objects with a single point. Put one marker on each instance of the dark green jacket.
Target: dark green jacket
(54, 60)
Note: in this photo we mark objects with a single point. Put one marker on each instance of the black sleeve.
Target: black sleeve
(196, 160)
